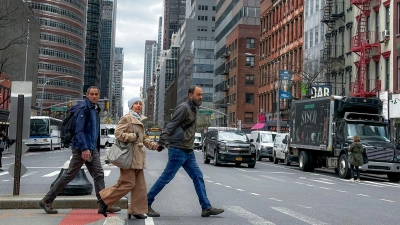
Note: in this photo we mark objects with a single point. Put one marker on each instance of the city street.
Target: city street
(267, 194)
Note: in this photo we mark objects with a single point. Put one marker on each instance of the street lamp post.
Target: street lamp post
(44, 84)
(278, 103)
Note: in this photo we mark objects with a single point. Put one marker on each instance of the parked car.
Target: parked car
(197, 141)
(227, 145)
(262, 142)
(280, 149)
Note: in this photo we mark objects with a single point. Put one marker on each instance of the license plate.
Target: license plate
(238, 158)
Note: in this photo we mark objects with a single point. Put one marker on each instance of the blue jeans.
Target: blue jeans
(176, 159)
(352, 171)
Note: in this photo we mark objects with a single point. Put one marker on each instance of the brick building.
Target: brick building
(241, 83)
(281, 48)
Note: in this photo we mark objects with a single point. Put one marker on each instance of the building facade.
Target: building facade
(281, 48)
(93, 40)
(108, 26)
(117, 109)
(174, 16)
(229, 14)
(149, 58)
(61, 52)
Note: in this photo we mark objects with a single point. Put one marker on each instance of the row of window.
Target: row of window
(76, 3)
(60, 83)
(62, 26)
(61, 40)
(313, 36)
(205, 7)
(310, 7)
(57, 10)
(60, 69)
(205, 18)
(278, 13)
(53, 96)
(60, 54)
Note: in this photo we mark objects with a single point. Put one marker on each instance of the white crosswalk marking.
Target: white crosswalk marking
(29, 173)
(252, 218)
(299, 216)
(149, 221)
(107, 173)
(52, 174)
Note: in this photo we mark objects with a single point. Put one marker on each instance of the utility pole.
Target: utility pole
(278, 104)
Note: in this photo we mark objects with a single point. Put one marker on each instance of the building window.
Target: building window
(248, 117)
(249, 79)
(250, 43)
(249, 98)
(249, 60)
(306, 40)
(387, 27)
(387, 72)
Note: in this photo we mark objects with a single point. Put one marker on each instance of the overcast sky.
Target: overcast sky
(137, 21)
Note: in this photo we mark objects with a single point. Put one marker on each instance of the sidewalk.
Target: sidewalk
(78, 210)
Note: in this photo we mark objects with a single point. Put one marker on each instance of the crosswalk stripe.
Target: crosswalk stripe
(107, 173)
(54, 173)
(382, 184)
(29, 173)
(252, 218)
(299, 216)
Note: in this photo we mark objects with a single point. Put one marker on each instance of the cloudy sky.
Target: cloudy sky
(137, 21)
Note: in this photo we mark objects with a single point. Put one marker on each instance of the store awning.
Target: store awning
(258, 126)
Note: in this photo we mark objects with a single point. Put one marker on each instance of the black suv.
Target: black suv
(227, 145)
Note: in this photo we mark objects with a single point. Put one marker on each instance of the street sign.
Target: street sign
(62, 109)
(205, 111)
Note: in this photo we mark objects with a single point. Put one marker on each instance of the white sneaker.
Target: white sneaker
(351, 180)
(358, 180)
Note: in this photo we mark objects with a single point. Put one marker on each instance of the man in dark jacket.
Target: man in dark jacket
(179, 136)
(84, 149)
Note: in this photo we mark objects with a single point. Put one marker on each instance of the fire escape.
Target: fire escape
(332, 53)
(364, 43)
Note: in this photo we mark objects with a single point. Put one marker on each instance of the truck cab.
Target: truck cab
(197, 141)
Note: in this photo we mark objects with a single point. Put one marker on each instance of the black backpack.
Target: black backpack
(67, 130)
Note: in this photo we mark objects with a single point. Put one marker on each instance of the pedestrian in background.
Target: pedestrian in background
(131, 130)
(179, 135)
(355, 157)
(3, 145)
(84, 150)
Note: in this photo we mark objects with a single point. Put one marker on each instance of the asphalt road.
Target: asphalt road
(267, 194)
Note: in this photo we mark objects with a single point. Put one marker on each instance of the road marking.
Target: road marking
(250, 177)
(29, 173)
(298, 182)
(218, 184)
(307, 207)
(254, 193)
(325, 188)
(210, 181)
(299, 216)
(342, 191)
(149, 221)
(363, 195)
(272, 178)
(227, 186)
(252, 218)
(238, 189)
(386, 200)
(52, 174)
(382, 184)
(275, 199)
(310, 185)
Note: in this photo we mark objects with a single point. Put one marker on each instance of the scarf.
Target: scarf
(135, 114)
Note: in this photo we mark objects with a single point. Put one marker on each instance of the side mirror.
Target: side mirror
(284, 141)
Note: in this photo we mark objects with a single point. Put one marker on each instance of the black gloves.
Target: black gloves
(160, 148)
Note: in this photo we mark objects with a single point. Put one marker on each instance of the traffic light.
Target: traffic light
(107, 105)
(212, 116)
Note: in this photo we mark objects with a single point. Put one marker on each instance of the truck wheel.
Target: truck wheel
(238, 164)
(206, 160)
(216, 163)
(275, 159)
(343, 167)
(287, 160)
(258, 155)
(393, 177)
(303, 161)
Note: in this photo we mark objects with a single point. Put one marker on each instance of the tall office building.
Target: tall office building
(108, 26)
(174, 16)
(117, 108)
(61, 52)
(197, 36)
(92, 55)
(148, 61)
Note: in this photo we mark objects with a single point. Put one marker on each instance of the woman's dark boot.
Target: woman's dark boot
(102, 207)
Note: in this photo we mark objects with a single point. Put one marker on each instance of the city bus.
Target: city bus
(107, 136)
(44, 133)
(153, 133)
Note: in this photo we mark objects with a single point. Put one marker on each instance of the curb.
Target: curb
(61, 202)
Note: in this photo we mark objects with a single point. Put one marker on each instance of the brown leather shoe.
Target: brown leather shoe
(152, 213)
(113, 209)
(48, 207)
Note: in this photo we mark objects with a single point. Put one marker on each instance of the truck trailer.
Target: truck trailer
(322, 130)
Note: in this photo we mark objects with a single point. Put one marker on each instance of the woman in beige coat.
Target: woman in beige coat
(131, 130)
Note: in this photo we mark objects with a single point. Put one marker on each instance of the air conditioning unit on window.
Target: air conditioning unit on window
(264, 30)
(385, 35)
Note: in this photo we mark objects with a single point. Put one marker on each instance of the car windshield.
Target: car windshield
(368, 131)
(267, 138)
(232, 136)
(197, 139)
